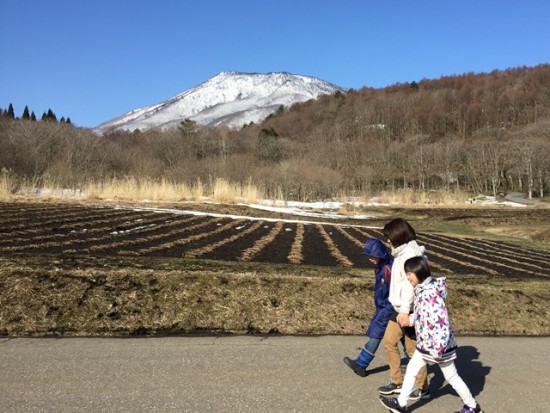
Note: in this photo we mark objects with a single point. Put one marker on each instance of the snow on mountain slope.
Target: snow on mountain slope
(229, 99)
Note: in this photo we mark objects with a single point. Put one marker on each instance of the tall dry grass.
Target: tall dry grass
(164, 190)
(217, 190)
(7, 185)
(132, 189)
(142, 189)
(415, 198)
(226, 192)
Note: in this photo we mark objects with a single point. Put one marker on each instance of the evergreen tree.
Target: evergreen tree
(50, 116)
(26, 114)
(270, 146)
(62, 120)
(10, 112)
(33, 116)
(68, 121)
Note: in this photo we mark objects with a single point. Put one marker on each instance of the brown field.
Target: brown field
(261, 274)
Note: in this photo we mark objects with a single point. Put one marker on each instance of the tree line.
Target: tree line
(29, 115)
(478, 133)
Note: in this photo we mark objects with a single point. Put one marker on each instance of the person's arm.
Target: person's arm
(407, 298)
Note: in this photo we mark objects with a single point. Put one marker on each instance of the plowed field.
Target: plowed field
(38, 228)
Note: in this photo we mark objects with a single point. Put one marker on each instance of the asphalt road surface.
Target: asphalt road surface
(252, 374)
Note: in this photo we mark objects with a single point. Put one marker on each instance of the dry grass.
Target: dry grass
(132, 189)
(218, 190)
(7, 185)
(296, 256)
(416, 198)
(48, 295)
(226, 192)
(143, 189)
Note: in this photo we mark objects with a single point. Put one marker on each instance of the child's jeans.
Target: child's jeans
(372, 345)
(449, 372)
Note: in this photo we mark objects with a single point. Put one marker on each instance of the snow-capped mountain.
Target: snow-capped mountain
(229, 99)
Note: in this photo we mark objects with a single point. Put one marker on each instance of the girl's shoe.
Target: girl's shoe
(467, 409)
(392, 405)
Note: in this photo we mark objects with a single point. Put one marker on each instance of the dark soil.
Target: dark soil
(37, 228)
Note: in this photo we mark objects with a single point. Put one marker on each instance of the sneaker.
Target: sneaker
(420, 394)
(357, 369)
(392, 405)
(390, 388)
(467, 409)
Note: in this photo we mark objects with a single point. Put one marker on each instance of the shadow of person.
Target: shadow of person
(470, 369)
(385, 367)
(380, 369)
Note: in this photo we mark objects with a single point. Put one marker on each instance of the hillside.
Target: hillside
(461, 135)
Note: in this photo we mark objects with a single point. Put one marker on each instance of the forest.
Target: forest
(475, 133)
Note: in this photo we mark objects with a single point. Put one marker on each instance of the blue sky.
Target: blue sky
(93, 60)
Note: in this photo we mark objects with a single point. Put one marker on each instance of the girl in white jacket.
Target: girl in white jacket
(402, 239)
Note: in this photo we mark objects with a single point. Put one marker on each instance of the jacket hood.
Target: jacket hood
(375, 248)
(437, 286)
(411, 249)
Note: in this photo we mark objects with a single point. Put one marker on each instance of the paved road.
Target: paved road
(251, 374)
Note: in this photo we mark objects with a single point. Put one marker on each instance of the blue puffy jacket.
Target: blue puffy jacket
(382, 275)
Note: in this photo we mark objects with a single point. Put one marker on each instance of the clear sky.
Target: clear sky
(93, 60)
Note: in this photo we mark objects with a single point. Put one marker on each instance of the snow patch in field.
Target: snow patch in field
(230, 216)
(491, 200)
(126, 231)
(306, 209)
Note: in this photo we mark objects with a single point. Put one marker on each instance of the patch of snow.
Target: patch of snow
(491, 200)
(126, 231)
(230, 216)
(295, 208)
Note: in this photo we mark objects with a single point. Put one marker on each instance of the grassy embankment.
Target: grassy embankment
(45, 295)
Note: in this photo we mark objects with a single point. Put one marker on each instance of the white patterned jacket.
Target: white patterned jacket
(435, 338)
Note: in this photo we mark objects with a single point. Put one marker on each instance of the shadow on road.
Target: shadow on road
(470, 369)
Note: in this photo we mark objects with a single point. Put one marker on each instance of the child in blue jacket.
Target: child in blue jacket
(378, 255)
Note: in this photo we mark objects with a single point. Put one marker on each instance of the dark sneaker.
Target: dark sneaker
(390, 388)
(467, 409)
(392, 405)
(357, 369)
(420, 394)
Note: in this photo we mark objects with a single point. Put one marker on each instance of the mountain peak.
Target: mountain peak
(229, 99)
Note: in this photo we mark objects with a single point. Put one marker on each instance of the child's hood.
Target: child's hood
(434, 286)
(375, 248)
